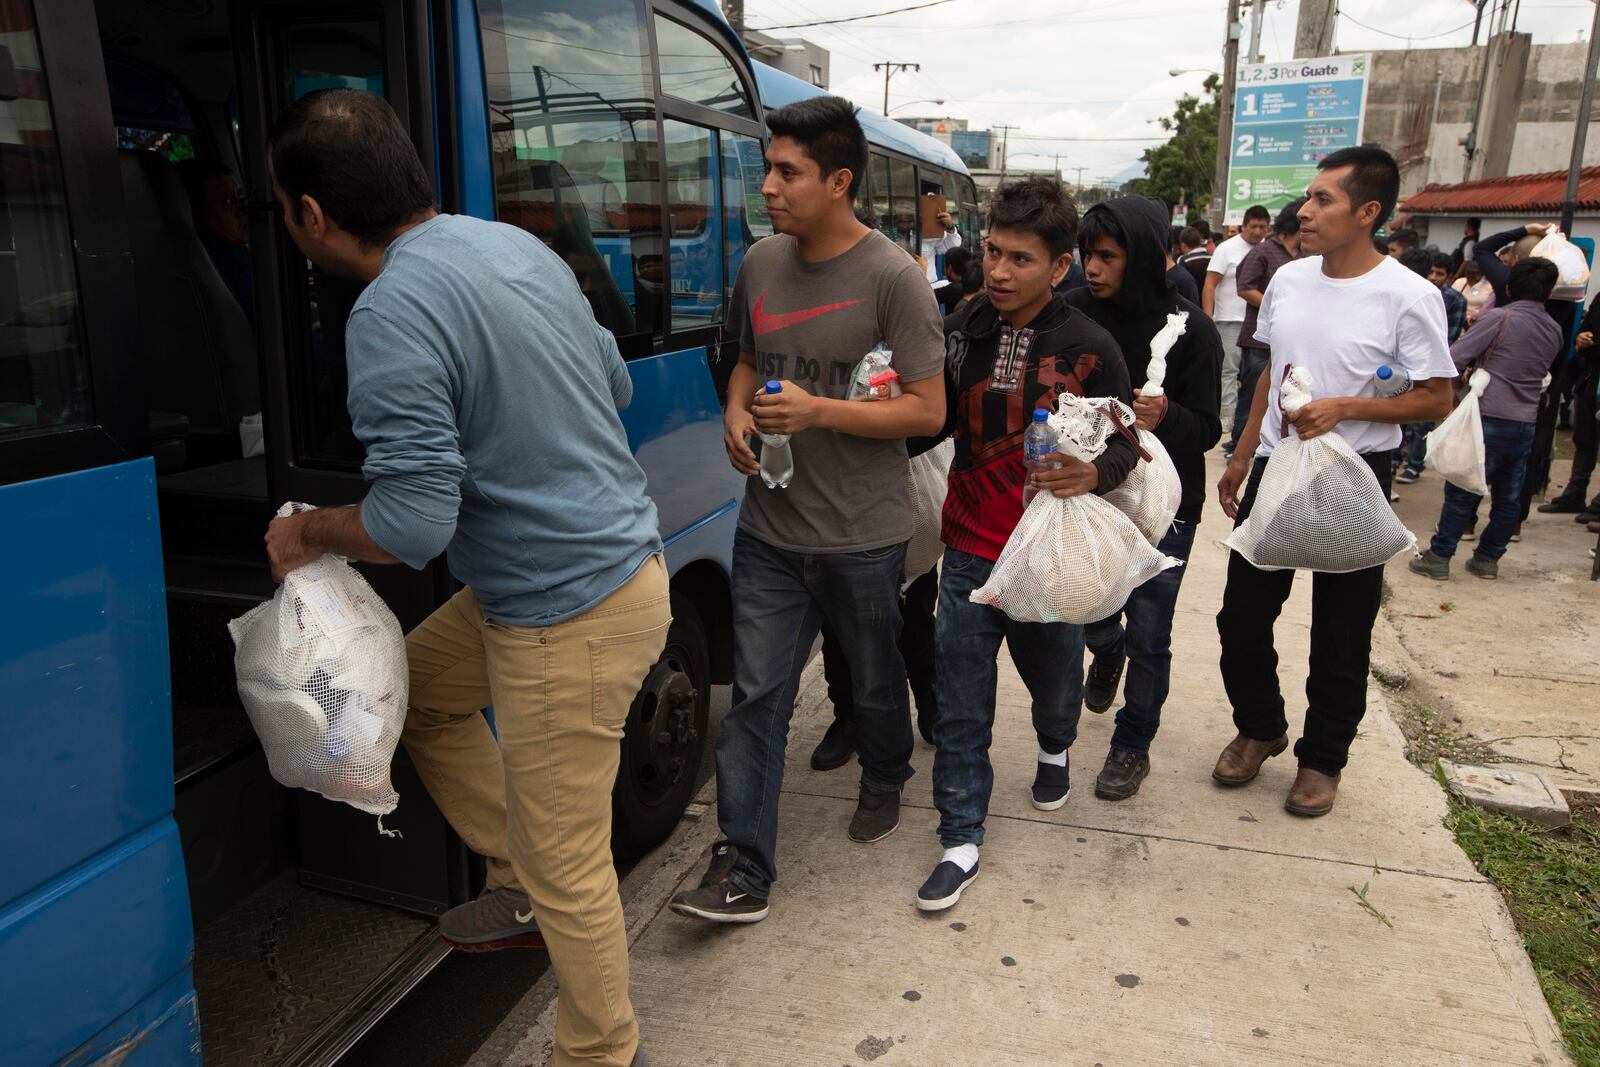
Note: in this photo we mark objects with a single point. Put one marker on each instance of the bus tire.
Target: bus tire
(664, 738)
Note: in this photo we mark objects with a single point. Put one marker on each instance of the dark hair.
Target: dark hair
(1204, 226)
(347, 150)
(1097, 225)
(827, 129)
(1417, 261)
(1288, 220)
(1174, 235)
(1374, 175)
(1533, 278)
(1405, 237)
(1381, 244)
(957, 259)
(1443, 262)
(1040, 206)
(1192, 237)
(972, 277)
(194, 174)
(1257, 211)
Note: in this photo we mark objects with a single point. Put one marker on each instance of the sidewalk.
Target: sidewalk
(1188, 925)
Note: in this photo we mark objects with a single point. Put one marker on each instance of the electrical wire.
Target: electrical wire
(1404, 36)
(853, 18)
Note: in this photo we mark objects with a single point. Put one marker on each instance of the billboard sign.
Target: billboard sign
(1286, 118)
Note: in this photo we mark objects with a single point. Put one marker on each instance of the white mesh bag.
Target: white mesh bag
(1455, 446)
(322, 674)
(1076, 559)
(1319, 507)
(1152, 492)
(929, 482)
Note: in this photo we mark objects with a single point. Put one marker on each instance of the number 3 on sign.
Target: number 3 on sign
(1247, 144)
(1241, 188)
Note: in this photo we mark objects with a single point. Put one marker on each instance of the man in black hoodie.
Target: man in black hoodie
(1130, 294)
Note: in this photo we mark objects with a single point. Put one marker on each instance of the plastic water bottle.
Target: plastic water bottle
(1038, 441)
(1391, 382)
(777, 460)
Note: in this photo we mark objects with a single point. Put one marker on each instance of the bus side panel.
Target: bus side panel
(85, 694)
(93, 960)
(674, 428)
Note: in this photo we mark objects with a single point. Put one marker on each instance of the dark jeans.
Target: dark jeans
(1146, 639)
(780, 599)
(1252, 361)
(916, 648)
(1584, 437)
(1506, 444)
(1414, 448)
(1343, 609)
(1049, 656)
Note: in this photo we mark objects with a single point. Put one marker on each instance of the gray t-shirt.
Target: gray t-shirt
(810, 324)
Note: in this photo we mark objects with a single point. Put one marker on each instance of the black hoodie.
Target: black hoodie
(1193, 382)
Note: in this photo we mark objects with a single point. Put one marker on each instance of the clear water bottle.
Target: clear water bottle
(1038, 441)
(1391, 381)
(777, 460)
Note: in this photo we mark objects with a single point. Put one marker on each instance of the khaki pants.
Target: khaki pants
(537, 805)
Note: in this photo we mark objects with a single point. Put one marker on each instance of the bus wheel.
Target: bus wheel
(663, 739)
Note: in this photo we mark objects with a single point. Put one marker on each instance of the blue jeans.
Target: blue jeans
(1252, 361)
(1506, 444)
(1049, 656)
(1414, 448)
(780, 599)
(1147, 642)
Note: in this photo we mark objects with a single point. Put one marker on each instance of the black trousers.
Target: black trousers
(1584, 434)
(1343, 609)
(916, 648)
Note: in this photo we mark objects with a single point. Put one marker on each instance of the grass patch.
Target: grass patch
(1430, 738)
(1550, 879)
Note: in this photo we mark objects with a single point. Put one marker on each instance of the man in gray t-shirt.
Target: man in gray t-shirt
(810, 303)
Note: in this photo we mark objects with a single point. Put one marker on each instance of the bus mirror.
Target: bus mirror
(8, 75)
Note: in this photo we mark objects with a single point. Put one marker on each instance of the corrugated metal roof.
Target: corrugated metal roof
(1501, 196)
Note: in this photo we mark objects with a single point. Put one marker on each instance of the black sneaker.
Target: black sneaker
(717, 899)
(1586, 516)
(1119, 779)
(1052, 786)
(1563, 505)
(838, 744)
(1408, 475)
(877, 815)
(1429, 565)
(1482, 566)
(1100, 688)
(943, 887)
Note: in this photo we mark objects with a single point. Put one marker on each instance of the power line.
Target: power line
(1405, 36)
(854, 18)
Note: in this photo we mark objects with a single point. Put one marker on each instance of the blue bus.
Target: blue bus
(171, 370)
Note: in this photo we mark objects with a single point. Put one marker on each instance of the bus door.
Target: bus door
(283, 51)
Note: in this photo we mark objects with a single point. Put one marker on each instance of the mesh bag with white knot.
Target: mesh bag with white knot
(1319, 507)
(322, 673)
(1075, 559)
(1152, 492)
(929, 482)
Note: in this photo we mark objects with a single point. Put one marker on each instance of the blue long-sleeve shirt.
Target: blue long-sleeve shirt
(1486, 253)
(487, 398)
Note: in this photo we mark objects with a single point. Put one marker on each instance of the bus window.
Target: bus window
(44, 382)
(744, 168)
(694, 69)
(697, 260)
(878, 192)
(573, 139)
(901, 223)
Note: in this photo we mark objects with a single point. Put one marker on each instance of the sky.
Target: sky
(1088, 78)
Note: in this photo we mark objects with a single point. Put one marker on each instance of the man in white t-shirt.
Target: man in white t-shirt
(1221, 299)
(1341, 314)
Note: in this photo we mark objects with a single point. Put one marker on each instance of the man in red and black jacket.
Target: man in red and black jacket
(1015, 348)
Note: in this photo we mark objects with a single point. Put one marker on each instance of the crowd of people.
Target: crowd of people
(565, 606)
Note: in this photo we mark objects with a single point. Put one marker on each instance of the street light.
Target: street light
(1175, 71)
(908, 103)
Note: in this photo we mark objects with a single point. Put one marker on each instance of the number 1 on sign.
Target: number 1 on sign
(1249, 105)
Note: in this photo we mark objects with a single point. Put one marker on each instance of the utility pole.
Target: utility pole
(1005, 139)
(1569, 203)
(1258, 15)
(734, 11)
(1230, 71)
(1313, 32)
(1080, 171)
(889, 70)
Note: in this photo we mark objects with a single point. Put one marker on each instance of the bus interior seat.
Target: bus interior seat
(198, 348)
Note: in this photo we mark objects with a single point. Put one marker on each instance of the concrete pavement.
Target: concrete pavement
(1190, 924)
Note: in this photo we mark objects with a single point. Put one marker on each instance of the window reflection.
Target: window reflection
(697, 258)
(694, 69)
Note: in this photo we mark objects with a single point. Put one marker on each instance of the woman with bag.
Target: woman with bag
(1516, 345)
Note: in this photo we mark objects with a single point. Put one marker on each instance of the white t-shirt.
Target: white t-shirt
(933, 248)
(1230, 306)
(1342, 330)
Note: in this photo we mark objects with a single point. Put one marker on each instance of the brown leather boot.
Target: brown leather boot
(1312, 793)
(1241, 761)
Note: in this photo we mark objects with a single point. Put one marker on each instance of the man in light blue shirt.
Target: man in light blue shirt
(487, 399)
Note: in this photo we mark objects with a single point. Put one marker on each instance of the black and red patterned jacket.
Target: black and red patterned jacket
(997, 376)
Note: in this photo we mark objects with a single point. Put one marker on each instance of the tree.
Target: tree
(1181, 170)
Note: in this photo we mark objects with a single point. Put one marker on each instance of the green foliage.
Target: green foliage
(1182, 169)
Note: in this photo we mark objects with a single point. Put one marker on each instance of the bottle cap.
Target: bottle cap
(1385, 372)
(1041, 414)
(774, 387)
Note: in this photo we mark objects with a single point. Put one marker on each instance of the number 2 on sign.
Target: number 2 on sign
(1247, 144)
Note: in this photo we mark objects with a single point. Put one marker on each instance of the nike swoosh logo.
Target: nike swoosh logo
(729, 898)
(765, 323)
(521, 918)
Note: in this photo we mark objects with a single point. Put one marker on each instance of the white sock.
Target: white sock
(1057, 758)
(963, 856)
